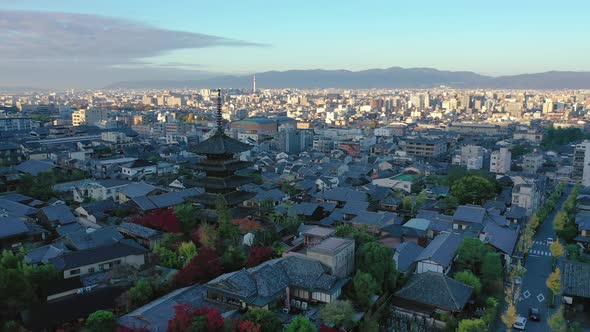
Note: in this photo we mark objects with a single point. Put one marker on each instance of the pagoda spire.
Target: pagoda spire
(219, 115)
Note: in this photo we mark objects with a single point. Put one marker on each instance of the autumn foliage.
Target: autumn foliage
(326, 328)
(257, 255)
(161, 219)
(205, 266)
(185, 316)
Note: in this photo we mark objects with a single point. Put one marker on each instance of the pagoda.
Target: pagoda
(220, 167)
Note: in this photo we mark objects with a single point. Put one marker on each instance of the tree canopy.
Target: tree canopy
(467, 277)
(365, 287)
(472, 325)
(338, 313)
(473, 190)
(376, 260)
(100, 321)
(301, 324)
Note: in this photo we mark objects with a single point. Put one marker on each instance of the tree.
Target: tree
(188, 217)
(376, 259)
(573, 251)
(557, 322)
(167, 257)
(557, 249)
(205, 266)
(226, 230)
(560, 221)
(509, 316)
(187, 318)
(206, 235)
(467, 277)
(369, 325)
(100, 321)
(162, 219)
(491, 272)
(233, 259)
(473, 189)
(258, 255)
(338, 313)
(554, 281)
(470, 254)
(365, 287)
(472, 325)
(187, 251)
(300, 324)
(268, 320)
(141, 293)
(248, 326)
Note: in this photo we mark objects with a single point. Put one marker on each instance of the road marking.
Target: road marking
(526, 294)
(540, 297)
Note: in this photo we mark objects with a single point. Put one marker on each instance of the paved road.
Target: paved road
(533, 291)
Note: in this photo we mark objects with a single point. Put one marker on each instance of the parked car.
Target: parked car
(534, 314)
(520, 323)
(549, 241)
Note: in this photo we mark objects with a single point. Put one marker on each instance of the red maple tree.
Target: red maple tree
(326, 328)
(205, 266)
(257, 255)
(185, 315)
(248, 326)
(161, 219)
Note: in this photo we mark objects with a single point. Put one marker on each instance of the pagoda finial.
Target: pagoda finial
(218, 115)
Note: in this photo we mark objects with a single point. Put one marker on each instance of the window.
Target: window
(75, 272)
(91, 270)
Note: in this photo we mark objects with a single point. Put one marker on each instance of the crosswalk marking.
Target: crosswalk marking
(540, 252)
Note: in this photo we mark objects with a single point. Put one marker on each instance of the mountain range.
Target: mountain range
(395, 77)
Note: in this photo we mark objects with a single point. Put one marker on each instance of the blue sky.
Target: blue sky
(489, 37)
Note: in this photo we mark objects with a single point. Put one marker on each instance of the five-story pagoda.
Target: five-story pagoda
(220, 167)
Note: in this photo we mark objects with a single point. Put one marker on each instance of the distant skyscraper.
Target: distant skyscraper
(254, 84)
(581, 171)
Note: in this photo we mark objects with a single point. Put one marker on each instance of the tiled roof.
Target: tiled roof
(59, 214)
(219, 144)
(75, 259)
(407, 253)
(436, 289)
(469, 213)
(442, 249)
(12, 226)
(575, 279)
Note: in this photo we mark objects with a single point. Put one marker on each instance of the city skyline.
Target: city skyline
(68, 44)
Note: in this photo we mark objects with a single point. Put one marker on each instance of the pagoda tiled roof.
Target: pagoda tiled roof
(220, 144)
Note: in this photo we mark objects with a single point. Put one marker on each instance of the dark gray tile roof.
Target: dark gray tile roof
(442, 249)
(43, 254)
(263, 283)
(14, 209)
(575, 279)
(80, 258)
(352, 207)
(469, 213)
(515, 212)
(436, 289)
(12, 226)
(137, 189)
(375, 218)
(91, 238)
(60, 214)
(343, 195)
(34, 167)
(138, 230)
(407, 253)
(501, 237)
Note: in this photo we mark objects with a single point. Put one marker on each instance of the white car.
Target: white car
(549, 241)
(520, 323)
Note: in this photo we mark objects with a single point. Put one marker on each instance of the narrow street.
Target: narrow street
(533, 291)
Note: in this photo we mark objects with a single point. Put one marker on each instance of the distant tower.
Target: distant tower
(254, 84)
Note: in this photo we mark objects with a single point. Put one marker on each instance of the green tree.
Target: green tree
(472, 325)
(233, 259)
(573, 251)
(188, 216)
(268, 320)
(467, 277)
(560, 221)
(491, 268)
(141, 293)
(338, 313)
(365, 287)
(167, 257)
(557, 249)
(100, 321)
(473, 189)
(300, 324)
(369, 325)
(187, 251)
(470, 254)
(376, 259)
(226, 229)
(557, 322)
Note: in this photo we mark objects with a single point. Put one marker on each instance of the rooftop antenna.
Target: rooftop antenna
(218, 115)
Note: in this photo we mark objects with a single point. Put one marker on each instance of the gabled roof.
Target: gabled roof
(469, 213)
(502, 238)
(352, 207)
(375, 218)
(91, 238)
(441, 249)
(43, 254)
(80, 258)
(137, 189)
(515, 212)
(138, 230)
(14, 209)
(34, 167)
(12, 226)
(60, 214)
(406, 253)
(437, 290)
(343, 195)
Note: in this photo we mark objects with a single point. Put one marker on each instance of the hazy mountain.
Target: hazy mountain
(394, 77)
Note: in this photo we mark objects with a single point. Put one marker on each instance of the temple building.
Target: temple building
(220, 167)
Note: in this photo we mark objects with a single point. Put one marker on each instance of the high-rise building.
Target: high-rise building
(548, 107)
(500, 161)
(89, 116)
(581, 171)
